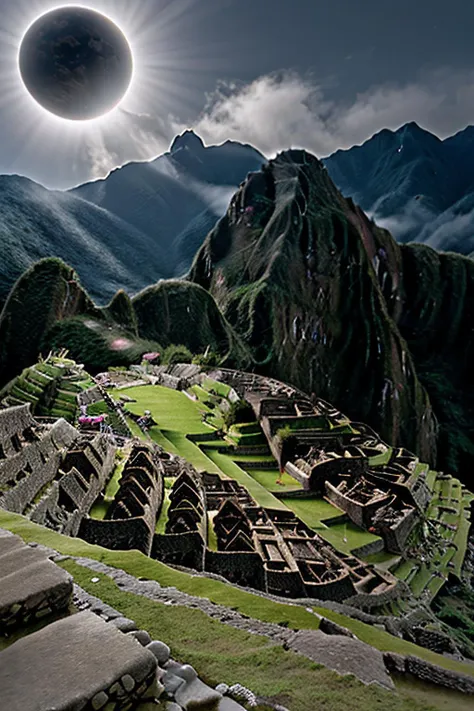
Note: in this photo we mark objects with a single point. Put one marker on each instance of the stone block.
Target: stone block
(141, 636)
(197, 695)
(29, 581)
(87, 655)
(161, 652)
(123, 624)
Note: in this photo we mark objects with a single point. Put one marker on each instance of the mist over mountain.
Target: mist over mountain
(295, 281)
(416, 185)
(142, 223)
(145, 221)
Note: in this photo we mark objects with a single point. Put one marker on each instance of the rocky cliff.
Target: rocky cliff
(333, 304)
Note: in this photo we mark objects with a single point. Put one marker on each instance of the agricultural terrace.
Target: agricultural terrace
(199, 412)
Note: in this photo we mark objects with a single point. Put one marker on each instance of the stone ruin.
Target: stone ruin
(285, 555)
(130, 519)
(328, 455)
(55, 474)
(184, 540)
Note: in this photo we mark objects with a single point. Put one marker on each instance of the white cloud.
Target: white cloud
(285, 110)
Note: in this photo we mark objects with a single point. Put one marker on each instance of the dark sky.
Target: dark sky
(314, 73)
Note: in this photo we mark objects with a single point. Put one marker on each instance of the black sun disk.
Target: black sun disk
(76, 63)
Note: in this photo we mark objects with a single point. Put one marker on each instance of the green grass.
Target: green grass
(404, 569)
(388, 643)
(269, 478)
(381, 458)
(294, 616)
(221, 653)
(226, 465)
(440, 698)
(220, 388)
(99, 509)
(347, 537)
(312, 510)
(460, 538)
(163, 517)
(211, 534)
(421, 580)
(431, 479)
(383, 558)
(344, 536)
(191, 451)
(171, 409)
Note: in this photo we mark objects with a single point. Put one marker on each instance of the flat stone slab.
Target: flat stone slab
(227, 704)
(67, 664)
(344, 655)
(28, 580)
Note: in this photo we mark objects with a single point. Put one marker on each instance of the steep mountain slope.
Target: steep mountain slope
(142, 223)
(420, 187)
(48, 309)
(184, 313)
(179, 195)
(107, 253)
(333, 304)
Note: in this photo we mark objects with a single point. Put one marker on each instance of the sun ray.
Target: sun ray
(168, 73)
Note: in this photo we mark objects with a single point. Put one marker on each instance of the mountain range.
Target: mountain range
(142, 223)
(145, 221)
(416, 185)
(296, 282)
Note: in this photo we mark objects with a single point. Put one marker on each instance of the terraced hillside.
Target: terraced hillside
(208, 481)
(50, 386)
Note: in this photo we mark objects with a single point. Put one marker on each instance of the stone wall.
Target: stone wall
(186, 549)
(124, 534)
(338, 590)
(137, 505)
(431, 673)
(27, 470)
(14, 420)
(90, 396)
(395, 536)
(85, 467)
(371, 601)
(244, 569)
(368, 549)
(361, 514)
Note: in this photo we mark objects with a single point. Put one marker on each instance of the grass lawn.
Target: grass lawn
(268, 478)
(211, 534)
(226, 465)
(191, 451)
(431, 479)
(171, 409)
(383, 558)
(313, 510)
(421, 579)
(159, 438)
(460, 538)
(99, 509)
(343, 536)
(220, 388)
(381, 458)
(163, 517)
(223, 654)
(347, 536)
(296, 617)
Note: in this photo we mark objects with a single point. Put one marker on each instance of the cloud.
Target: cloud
(284, 110)
(130, 137)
